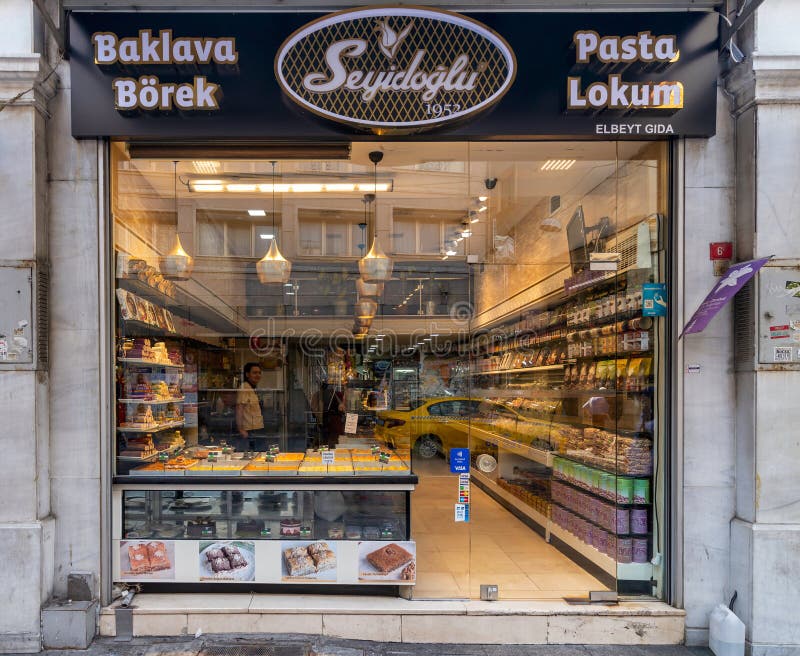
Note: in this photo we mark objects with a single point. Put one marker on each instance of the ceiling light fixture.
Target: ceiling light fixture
(551, 222)
(375, 266)
(366, 308)
(558, 165)
(206, 166)
(177, 264)
(267, 235)
(368, 289)
(256, 212)
(273, 267)
(251, 185)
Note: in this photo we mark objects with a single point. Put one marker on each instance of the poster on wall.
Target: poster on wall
(147, 560)
(381, 562)
(309, 561)
(227, 561)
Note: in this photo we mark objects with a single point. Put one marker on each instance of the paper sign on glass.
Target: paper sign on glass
(654, 299)
(351, 423)
(459, 461)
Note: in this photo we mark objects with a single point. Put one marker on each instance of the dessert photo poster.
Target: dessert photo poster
(227, 560)
(387, 561)
(314, 560)
(147, 560)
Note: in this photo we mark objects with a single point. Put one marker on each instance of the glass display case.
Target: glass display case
(264, 535)
(265, 514)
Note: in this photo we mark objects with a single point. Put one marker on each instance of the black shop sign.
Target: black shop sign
(391, 71)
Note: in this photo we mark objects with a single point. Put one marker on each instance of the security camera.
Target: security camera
(490, 183)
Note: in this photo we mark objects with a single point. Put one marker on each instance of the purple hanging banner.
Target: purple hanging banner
(734, 279)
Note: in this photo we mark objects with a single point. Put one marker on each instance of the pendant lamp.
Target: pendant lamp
(366, 308)
(273, 267)
(177, 264)
(375, 266)
(368, 289)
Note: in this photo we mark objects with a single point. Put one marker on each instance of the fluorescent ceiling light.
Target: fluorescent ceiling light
(267, 235)
(558, 165)
(286, 187)
(256, 212)
(483, 199)
(482, 208)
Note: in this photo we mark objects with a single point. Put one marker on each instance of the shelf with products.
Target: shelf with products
(532, 453)
(148, 363)
(219, 461)
(591, 464)
(551, 524)
(514, 500)
(179, 303)
(143, 459)
(157, 428)
(179, 399)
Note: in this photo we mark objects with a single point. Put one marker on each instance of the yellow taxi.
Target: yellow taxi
(435, 426)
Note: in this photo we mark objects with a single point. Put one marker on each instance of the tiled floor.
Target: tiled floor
(453, 559)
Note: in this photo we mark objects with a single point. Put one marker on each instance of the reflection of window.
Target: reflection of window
(210, 238)
(331, 233)
(426, 232)
(220, 236)
(441, 409)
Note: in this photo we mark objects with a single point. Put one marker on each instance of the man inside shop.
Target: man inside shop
(249, 410)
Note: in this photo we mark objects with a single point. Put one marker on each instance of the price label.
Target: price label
(351, 423)
(328, 457)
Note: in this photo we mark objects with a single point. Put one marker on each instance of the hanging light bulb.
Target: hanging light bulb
(273, 267)
(375, 266)
(177, 264)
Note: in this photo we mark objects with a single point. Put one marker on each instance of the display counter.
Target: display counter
(315, 532)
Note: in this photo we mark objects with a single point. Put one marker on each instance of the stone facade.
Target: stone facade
(736, 493)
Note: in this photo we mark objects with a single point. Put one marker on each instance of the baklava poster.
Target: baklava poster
(147, 560)
(303, 560)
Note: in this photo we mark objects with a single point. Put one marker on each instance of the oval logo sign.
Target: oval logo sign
(395, 69)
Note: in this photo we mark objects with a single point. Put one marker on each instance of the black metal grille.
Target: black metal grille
(264, 649)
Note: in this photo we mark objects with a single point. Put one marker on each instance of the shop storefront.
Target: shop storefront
(389, 309)
(420, 342)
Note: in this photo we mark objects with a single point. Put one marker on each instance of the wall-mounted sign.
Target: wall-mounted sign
(735, 278)
(393, 70)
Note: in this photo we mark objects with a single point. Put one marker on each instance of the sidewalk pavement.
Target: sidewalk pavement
(304, 645)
